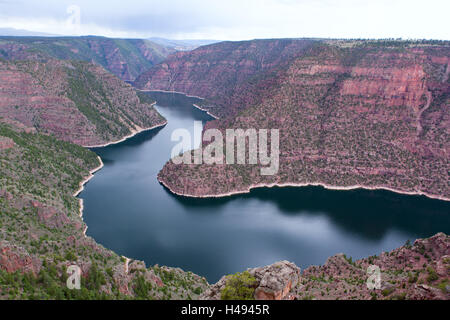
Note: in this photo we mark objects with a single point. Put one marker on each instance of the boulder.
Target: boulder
(274, 282)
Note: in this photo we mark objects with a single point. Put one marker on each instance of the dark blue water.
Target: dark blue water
(128, 211)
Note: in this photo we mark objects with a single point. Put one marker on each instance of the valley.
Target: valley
(365, 114)
(350, 114)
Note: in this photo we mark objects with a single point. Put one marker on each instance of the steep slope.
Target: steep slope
(217, 71)
(75, 101)
(350, 113)
(42, 231)
(126, 58)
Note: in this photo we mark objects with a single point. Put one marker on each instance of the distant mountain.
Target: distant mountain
(126, 58)
(23, 33)
(215, 71)
(182, 45)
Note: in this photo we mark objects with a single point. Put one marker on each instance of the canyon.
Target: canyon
(370, 114)
(350, 113)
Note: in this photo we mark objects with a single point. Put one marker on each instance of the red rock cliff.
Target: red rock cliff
(371, 114)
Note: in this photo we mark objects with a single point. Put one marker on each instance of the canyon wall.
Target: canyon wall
(350, 113)
(73, 100)
(126, 58)
(217, 71)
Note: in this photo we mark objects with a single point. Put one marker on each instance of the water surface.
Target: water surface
(128, 211)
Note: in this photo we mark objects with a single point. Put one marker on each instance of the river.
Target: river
(128, 211)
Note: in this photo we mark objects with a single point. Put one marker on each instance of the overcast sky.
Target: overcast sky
(232, 19)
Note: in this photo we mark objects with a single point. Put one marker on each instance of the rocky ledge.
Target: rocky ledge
(274, 282)
(414, 271)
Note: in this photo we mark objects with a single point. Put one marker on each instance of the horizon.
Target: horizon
(213, 40)
(230, 21)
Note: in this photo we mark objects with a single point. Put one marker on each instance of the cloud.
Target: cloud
(234, 19)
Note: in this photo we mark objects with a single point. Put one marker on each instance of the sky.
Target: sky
(232, 19)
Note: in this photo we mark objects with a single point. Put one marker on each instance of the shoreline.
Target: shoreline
(205, 110)
(100, 166)
(168, 91)
(208, 112)
(132, 134)
(89, 177)
(281, 185)
(311, 184)
(81, 188)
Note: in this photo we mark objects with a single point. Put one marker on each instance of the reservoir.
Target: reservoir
(128, 211)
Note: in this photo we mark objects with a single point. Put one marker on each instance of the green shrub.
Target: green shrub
(387, 291)
(432, 275)
(443, 285)
(70, 256)
(240, 286)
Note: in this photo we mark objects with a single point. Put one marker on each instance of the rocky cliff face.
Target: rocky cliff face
(14, 258)
(126, 58)
(217, 71)
(414, 272)
(350, 113)
(74, 101)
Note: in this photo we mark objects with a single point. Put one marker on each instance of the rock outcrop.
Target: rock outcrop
(274, 282)
(6, 143)
(50, 216)
(413, 271)
(124, 275)
(14, 258)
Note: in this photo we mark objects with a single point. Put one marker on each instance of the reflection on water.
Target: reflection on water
(365, 212)
(128, 211)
